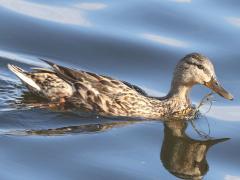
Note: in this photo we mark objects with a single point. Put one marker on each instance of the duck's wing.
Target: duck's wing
(65, 73)
(94, 81)
(136, 88)
(42, 70)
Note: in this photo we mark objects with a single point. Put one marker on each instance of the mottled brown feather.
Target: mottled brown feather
(103, 95)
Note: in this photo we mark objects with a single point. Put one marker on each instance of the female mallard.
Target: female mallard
(110, 97)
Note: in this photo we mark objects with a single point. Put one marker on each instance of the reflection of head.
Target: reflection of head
(182, 156)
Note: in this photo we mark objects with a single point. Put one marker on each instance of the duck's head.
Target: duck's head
(197, 69)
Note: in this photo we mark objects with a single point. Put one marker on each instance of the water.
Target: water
(137, 41)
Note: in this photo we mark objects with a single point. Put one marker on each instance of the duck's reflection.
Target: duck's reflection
(183, 156)
(85, 128)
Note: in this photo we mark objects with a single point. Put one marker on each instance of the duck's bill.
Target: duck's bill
(216, 87)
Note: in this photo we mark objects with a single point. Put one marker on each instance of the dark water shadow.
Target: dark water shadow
(71, 130)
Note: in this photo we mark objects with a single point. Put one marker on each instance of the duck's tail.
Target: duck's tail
(22, 75)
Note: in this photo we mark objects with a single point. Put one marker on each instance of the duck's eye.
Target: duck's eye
(200, 66)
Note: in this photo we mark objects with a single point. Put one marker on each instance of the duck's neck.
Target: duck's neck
(175, 103)
(180, 92)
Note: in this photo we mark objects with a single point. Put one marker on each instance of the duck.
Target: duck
(107, 96)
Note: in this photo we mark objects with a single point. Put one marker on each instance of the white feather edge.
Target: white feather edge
(23, 77)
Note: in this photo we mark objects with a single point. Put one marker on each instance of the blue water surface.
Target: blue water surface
(137, 41)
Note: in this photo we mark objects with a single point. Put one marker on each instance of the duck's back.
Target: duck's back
(107, 96)
(81, 89)
(102, 94)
